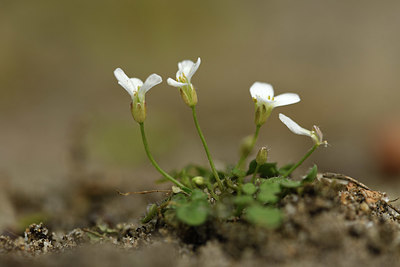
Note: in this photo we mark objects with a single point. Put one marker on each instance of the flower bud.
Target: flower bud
(262, 156)
(189, 95)
(198, 180)
(176, 189)
(138, 111)
(262, 114)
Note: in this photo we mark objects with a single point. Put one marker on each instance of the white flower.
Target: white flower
(265, 101)
(315, 134)
(137, 90)
(135, 86)
(186, 70)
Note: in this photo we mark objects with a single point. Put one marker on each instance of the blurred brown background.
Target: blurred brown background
(60, 100)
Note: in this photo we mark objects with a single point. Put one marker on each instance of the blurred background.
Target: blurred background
(66, 132)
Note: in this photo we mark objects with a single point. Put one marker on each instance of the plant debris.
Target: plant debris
(326, 223)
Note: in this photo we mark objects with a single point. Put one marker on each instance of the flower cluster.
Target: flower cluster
(137, 89)
(262, 95)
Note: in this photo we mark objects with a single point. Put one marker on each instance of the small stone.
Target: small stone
(364, 207)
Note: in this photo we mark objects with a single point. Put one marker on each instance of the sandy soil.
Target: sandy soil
(328, 223)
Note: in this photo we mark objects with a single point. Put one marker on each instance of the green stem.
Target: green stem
(309, 152)
(166, 175)
(221, 186)
(231, 185)
(253, 179)
(211, 190)
(245, 155)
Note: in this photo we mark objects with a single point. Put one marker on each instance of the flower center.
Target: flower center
(182, 78)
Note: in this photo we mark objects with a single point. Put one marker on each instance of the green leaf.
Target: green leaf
(239, 173)
(177, 200)
(193, 213)
(249, 188)
(283, 182)
(268, 169)
(198, 195)
(271, 184)
(264, 216)
(267, 197)
(268, 192)
(252, 167)
(311, 175)
(290, 183)
(243, 200)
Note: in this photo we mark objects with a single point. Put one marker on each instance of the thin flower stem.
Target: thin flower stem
(245, 155)
(253, 179)
(203, 140)
(166, 175)
(309, 152)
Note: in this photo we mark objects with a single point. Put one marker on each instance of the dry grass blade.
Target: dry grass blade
(338, 176)
(143, 192)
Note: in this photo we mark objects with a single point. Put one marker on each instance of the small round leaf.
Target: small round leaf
(249, 188)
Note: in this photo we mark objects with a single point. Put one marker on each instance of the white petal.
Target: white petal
(193, 69)
(185, 67)
(174, 83)
(293, 126)
(120, 75)
(150, 82)
(136, 83)
(286, 99)
(262, 91)
(124, 81)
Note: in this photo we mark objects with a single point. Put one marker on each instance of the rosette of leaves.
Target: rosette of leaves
(255, 203)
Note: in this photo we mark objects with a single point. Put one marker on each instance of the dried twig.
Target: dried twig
(338, 176)
(92, 232)
(330, 175)
(393, 207)
(143, 192)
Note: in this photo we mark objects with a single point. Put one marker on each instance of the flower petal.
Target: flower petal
(293, 126)
(184, 67)
(124, 81)
(150, 82)
(174, 83)
(136, 83)
(286, 99)
(193, 69)
(120, 75)
(261, 91)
